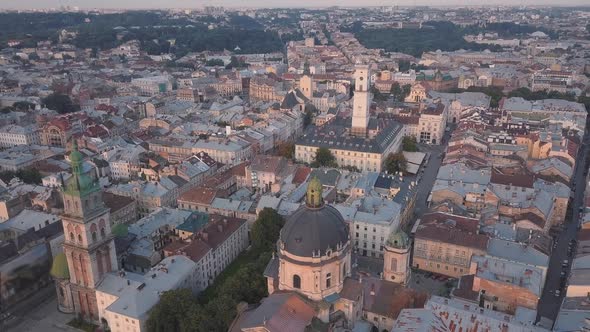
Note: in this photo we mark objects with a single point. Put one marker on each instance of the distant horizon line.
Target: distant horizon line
(61, 8)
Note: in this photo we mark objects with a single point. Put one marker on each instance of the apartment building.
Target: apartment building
(212, 246)
(445, 243)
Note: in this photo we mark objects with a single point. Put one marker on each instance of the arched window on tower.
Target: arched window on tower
(102, 233)
(328, 280)
(79, 238)
(94, 232)
(343, 271)
(296, 281)
(393, 264)
(72, 237)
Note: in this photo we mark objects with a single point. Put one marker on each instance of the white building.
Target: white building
(125, 299)
(150, 86)
(12, 135)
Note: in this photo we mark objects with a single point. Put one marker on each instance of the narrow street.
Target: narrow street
(428, 177)
(549, 304)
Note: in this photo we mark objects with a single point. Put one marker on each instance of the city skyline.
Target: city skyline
(161, 4)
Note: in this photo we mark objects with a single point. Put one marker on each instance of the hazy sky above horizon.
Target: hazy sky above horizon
(30, 4)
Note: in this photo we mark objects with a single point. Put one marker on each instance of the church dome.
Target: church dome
(315, 228)
(59, 268)
(399, 240)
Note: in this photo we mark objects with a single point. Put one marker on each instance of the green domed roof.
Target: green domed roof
(399, 240)
(59, 268)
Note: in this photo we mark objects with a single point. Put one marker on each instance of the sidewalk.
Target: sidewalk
(44, 318)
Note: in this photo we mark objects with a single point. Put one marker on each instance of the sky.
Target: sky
(30, 4)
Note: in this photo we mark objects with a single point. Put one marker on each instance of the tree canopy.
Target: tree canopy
(396, 162)
(26, 175)
(433, 36)
(60, 103)
(266, 229)
(286, 149)
(410, 144)
(324, 158)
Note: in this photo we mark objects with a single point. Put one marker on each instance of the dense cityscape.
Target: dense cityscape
(376, 169)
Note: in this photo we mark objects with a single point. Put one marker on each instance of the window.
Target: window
(344, 273)
(93, 236)
(328, 280)
(102, 233)
(393, 264)
(296, 281)
(79, 238)
(72, 238)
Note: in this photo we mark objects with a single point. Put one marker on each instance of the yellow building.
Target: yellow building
(444, 244)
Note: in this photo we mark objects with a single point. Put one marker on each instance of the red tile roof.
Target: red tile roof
(199, 195)
(518, 180)
(301, 174)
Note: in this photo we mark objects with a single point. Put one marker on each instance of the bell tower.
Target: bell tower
(361, 100)
(88, 246)
(396, 258)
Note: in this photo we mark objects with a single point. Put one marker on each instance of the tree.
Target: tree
(173, 312)
(406, 89)
(236, 62)
(310, 111)
(26, 175)
(286, 149)
(395, 90)
(396, 162)
(324, 158)
(60, 103)
(34, 57)
(214, 63)
(410, 144)
(266, 229)
(377, 95)
(583, 99)
(23, 106)
(404, 65)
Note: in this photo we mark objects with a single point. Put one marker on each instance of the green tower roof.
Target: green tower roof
(80, 184)
(59, 268)
(399, 240)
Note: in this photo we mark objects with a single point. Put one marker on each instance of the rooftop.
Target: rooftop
(137, 294)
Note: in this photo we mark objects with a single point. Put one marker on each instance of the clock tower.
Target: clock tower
(361, 100)
(88, 246)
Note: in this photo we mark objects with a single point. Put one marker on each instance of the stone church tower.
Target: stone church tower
(396, 258)
(88, 246)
